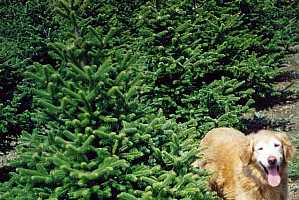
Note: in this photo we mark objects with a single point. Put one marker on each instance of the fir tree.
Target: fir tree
(26, 27)
(208, 49)
(93, 140)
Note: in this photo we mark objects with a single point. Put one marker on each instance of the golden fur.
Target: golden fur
(228, 153)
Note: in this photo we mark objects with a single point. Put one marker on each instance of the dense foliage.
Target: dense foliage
(212, 62)
(25, 30)
(123, 91)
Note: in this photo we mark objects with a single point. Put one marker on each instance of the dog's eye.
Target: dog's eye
(276, 145)
(259, 149)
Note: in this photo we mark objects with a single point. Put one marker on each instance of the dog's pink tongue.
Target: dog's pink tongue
(273, 177)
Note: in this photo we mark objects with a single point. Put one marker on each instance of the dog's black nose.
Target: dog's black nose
(272, 160)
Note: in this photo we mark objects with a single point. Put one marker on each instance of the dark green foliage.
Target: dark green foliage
(129, 87)
(210, 53)
(24, 32)
(93, 142)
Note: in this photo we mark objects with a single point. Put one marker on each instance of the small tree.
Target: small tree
(94, 140)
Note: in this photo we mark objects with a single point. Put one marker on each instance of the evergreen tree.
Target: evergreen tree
(93, 141)
(210, 53)
(25, 28)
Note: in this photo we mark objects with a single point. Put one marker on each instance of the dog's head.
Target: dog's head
(269, 151)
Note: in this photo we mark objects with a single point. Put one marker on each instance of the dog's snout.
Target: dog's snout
(272, 160)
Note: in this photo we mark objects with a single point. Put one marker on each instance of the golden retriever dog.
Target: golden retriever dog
(252, 167)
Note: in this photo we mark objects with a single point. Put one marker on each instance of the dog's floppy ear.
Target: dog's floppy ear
(288, 148)
(246, 151)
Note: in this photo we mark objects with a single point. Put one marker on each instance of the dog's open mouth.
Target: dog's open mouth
(273, 175)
